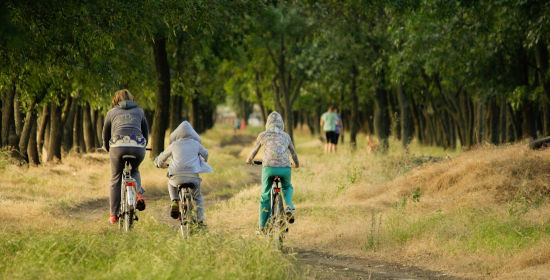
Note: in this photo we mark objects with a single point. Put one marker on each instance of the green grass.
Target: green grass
(151, 251)
(466, 230)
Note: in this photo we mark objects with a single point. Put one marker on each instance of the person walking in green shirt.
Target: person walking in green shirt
(329, 120)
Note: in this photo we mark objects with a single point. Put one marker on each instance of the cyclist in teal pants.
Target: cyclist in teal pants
(278, 148)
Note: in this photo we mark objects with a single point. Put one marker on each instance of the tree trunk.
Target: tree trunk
(17, 114)
(480, 122)
(494, 121)
(24, 138)
(7, 114)
(89, 135)
(54, 147)
(381, 114)
(260, 97)
(93, 124)
(77, 129)
(176, 102)
(541, 58)
(42, 124)
(161, 117)
(32, 149)
(406, 119)
(354, 126)
(194, 114)
(528, 111)
(68, 124)
(99, 128)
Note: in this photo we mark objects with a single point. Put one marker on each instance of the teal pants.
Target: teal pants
(267, 181)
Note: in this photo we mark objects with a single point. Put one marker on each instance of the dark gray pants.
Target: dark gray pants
(117, 165)
(174, 181)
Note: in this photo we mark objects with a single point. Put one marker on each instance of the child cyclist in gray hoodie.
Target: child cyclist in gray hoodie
(276, 162)
(188, 160)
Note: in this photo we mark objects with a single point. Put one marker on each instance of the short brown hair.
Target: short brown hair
(121, 95)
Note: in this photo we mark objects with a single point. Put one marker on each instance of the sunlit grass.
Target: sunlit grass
(479, 212)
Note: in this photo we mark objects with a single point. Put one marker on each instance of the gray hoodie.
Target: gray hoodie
(125, 119)
(186, 151)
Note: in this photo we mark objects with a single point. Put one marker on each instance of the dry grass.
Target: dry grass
(481, 214)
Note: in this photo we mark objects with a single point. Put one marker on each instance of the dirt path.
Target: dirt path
(325, 266)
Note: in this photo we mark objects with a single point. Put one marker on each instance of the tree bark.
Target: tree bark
(99, 128)
(68, 124)
(7, 114)
(528, 110)
(54, 147)
(17, 114)
(160, 119)
(354, 127)
(406, 119)
(89, 135)
(381, 114)
(42, 124)
(77, 129)
(260, 96)
(176, 102)
(32, 149)
(24, 138)
(541, 58)
(194, 114)
(494, 121)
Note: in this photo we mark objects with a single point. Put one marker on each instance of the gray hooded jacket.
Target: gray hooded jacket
(186, 151)
(126, 119)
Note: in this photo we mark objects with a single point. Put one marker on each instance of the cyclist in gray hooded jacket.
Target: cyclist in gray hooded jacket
(188, 160)
(125, 132)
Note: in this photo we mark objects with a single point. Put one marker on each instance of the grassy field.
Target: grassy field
(53, 225)
(482, 213)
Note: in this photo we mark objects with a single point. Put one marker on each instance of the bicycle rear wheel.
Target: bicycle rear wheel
(278, 224)
(185, 213)
(126, 219)
(122, 208)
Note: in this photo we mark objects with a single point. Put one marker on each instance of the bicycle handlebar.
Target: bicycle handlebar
(259, 162)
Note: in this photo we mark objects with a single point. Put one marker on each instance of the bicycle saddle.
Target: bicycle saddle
(186, 185)
(128, 157)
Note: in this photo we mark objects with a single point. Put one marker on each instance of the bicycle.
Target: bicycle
(128, 195)
(186, 209)
(277, 224)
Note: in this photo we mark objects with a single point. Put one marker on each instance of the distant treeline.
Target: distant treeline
(447, 73)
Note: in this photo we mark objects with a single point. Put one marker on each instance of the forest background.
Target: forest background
(448, 73)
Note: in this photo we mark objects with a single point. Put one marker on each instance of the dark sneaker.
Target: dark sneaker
(175, 209)
(290, 215)
(140, 202)
(201, 225)
(261, 231)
